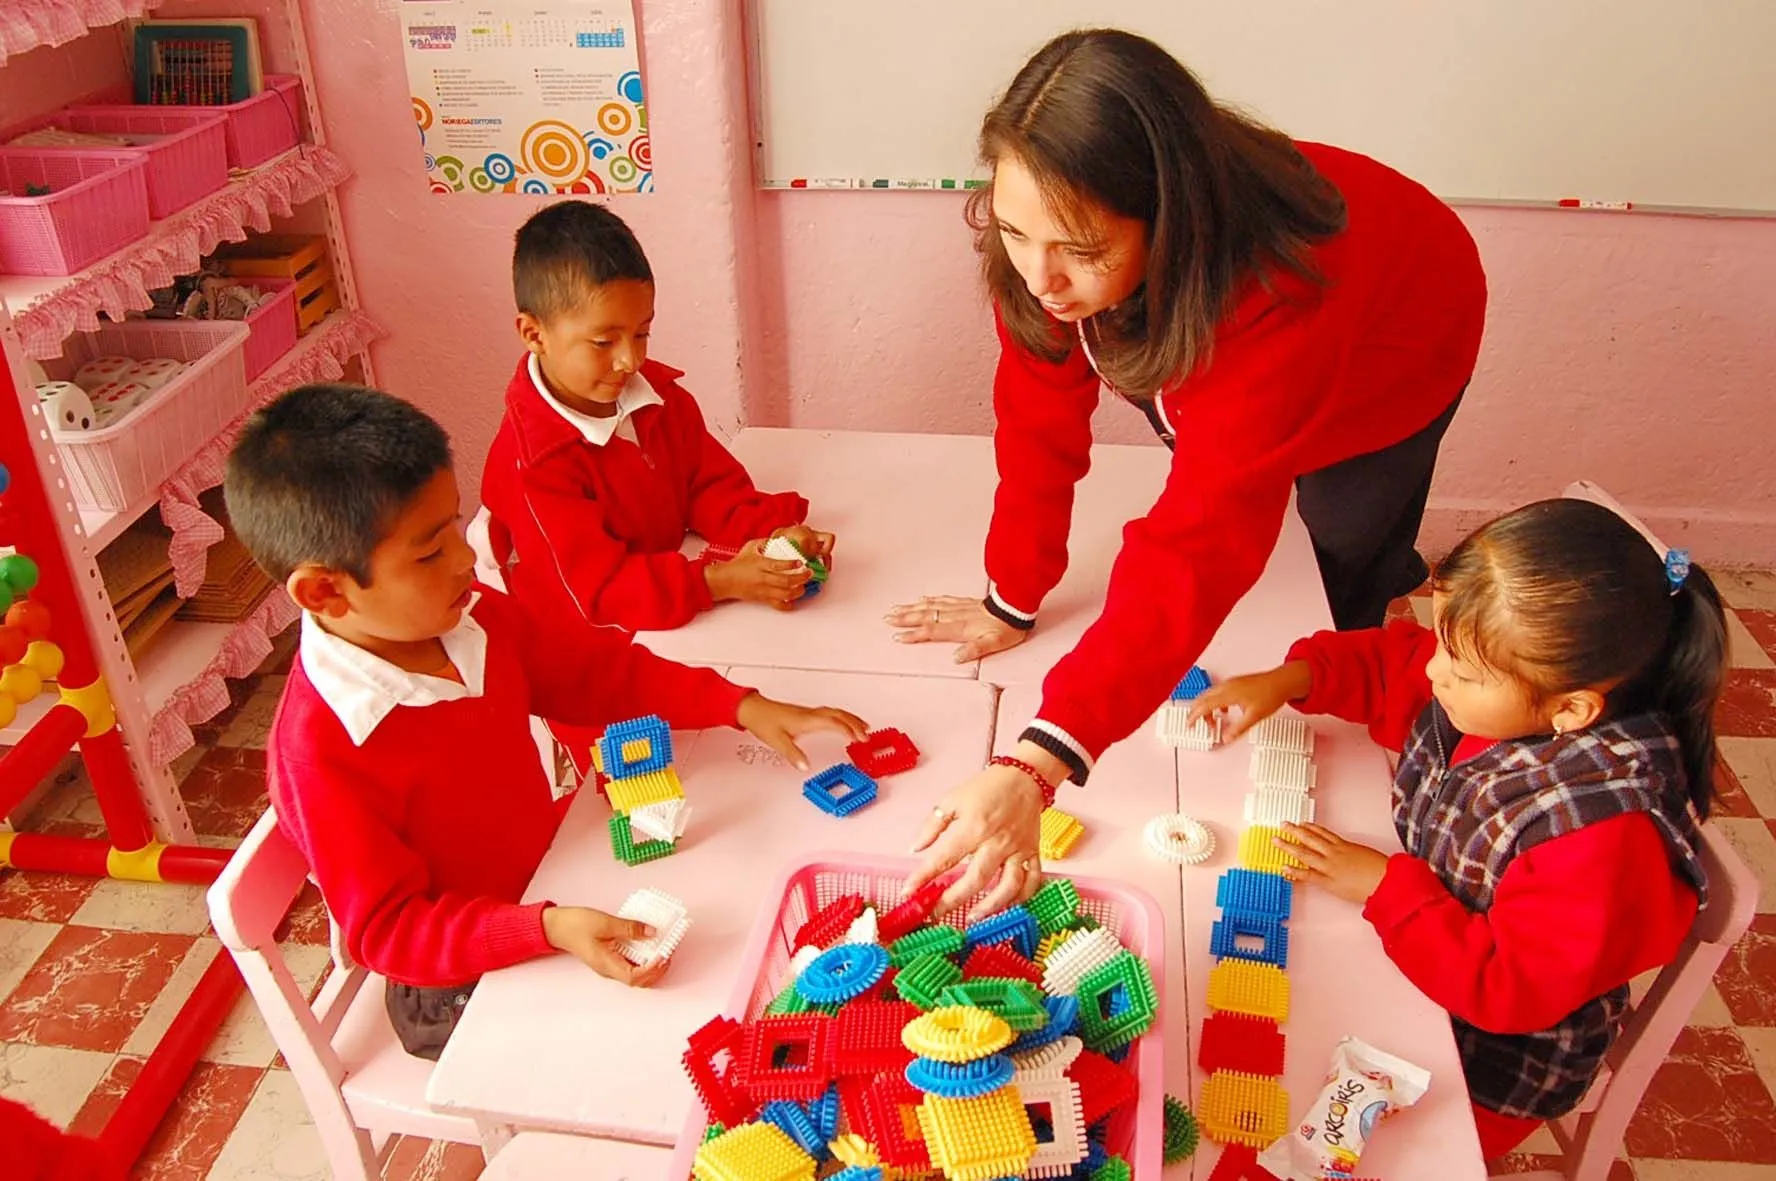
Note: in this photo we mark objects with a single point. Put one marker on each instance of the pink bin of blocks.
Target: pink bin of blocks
(187, 150)
(1136, 1132)
(260, 127)
(271, 326)
(118, 465)
(97, 203)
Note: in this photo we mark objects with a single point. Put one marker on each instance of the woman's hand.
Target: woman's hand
(1245, 701)
(954, 619)
(994, 820)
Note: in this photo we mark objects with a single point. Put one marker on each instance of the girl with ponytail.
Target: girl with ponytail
(1555, 727)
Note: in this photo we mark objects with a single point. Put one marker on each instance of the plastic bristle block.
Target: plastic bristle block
(866, 1038)
(956, 1033)
(631, 853)
(753, 1152)
(1018, 1003)
(1277, 806)
(1060, 832)
(1063, 1019)
(840, 790)
(944, 941)
(960, 1080)
(1236, 1108)
(1192, 685)
(638, 791)
(883, 752)
(1258, 850)
(1240, 1042)
(787, 1057)
(1069, 963)
(1054, 905)
(997, 961)
(1176, 729)
(1049, 1061)
(888, 1106)
(829, 924)
(1242, 986)
(842, 973)
(792, 1120)
(1014, 924)
(1255, 892)
(1062, 1144)
(665, 914)
(978, 1139)
(1105, 1025)
(635, 747)
(1235, 925)
(1279, 768)
(923, 980)
(723, 1097)
(1283, 732)
(1103, 1085)
(1180, 1132)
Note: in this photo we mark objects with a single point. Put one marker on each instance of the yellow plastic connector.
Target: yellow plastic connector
(136, 865)
(1060, 832)
(6, 835)
(94, 703)
(639, 790)
(956, 1033)
(978, 1139)
(1237, 1108)
(752, 1152)
(1048, 944)
(852, 1150)
(1258, 850)
(1247, 986)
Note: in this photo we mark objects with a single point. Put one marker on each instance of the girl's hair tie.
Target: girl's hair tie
(1677, 568)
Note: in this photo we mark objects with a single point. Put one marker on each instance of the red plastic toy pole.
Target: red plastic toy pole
(59, 854)
(150, 1097)
(192, 864)
(114, 785)
(38, 752)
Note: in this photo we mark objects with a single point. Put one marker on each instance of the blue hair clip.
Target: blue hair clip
(1677, 568)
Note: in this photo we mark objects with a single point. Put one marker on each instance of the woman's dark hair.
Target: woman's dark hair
(1103, 117)
(1566, 594)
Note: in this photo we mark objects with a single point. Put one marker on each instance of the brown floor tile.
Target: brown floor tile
(307, 920)
(191, 1137)
(1747, 979)
(1762, 626)
(225, 793)
(1518, 1162)
(1748, 705)
(1706, 1103)
(1730, 798)
(90, 988)
(43, 897)
(433, 1160)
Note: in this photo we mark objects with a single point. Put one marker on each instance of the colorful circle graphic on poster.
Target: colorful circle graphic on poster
(647, 183)
(554, 150)
(533, 185)
(451, 169)
(629, 86)
(431, 165)
(422, 114)
(641, 150)
(499, 167)
(641, 117)
(439, 186)
(622, 169)
(480, 181)
(615, 119)
(598, 146)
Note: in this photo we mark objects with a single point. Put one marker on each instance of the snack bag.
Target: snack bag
(1364, 1087)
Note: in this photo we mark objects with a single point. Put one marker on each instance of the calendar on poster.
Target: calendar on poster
(528, 96)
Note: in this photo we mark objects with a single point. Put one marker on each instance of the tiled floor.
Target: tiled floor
(91, 972)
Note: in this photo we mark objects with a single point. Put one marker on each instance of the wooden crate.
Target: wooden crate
(301, 258)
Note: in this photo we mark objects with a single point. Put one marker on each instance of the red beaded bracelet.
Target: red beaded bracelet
(1047, 788)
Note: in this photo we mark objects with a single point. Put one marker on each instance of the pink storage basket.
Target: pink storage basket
(98, 203)
(187, 157)
(262, 126)
(117, 466)
(272, 325)
(1136, 1132)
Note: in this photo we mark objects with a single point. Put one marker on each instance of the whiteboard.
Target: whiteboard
(1662, 103)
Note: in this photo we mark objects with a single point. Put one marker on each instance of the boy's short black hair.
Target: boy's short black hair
(565, 251)
(319, 475)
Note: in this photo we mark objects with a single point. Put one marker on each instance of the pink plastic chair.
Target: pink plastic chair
(361, 1087)
(1591, 1137)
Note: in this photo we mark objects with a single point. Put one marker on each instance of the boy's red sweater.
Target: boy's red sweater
(424, 838)
(597, 530)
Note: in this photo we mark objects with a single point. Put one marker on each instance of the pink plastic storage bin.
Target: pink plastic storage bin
(187, 159)
(272, 325)
(1136, 1132)
(98, 203)
(118, 465)
(262, 126)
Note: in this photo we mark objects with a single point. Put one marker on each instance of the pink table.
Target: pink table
(1121, 486)
(911, 515)
(550, 1045)
(1342, 983)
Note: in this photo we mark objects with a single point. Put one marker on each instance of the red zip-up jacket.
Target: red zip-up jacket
(596, 530)
(1571, 918)
(1302, 377)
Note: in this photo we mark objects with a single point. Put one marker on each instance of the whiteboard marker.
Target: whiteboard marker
(1576, 203)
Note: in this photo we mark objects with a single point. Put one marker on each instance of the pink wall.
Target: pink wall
(1633, 349)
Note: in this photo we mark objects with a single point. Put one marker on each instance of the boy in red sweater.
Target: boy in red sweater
(400, 760)
(602, 462)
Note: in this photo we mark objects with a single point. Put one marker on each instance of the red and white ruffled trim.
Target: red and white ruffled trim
(176, 246)
(243, 650)
(26, 24)
(321, 357)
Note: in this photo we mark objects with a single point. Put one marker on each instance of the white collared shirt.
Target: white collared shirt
(635, 394)
(362, 689)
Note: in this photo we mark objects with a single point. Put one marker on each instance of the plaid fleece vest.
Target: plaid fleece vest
(1470, 821)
